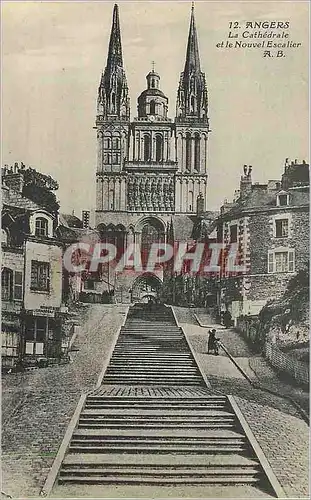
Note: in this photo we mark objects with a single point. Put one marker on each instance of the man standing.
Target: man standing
(212, 342)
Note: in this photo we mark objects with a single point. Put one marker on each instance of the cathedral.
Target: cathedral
(151, 179)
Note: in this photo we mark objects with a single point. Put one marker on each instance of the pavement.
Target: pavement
(276, 423)
(37, 406)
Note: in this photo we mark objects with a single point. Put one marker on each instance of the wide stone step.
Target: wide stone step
(155, 364)
(157, 403)
(161, 472)
(225, 479)
(176, 460)
(187, 369)
(145, 356)
(126, 382)
(94, 404)
(89, 440)
(156, 350)
(160, 376)
(167, 420)
(220, 435)
(162, 399)
(121, 447)
(160, 412)
(156, 329)
(88, 424)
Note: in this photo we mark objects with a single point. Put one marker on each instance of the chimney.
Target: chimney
(246, 182)
(13, 177)
(85, 219)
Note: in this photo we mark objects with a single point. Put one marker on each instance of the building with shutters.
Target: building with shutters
(270, 224)
(151, 169)
(31, 276)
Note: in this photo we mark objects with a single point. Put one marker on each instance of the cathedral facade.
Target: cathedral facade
(151, 170)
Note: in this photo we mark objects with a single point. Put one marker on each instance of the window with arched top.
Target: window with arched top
(113, 99)
(192, 104)
(197, 152)
(152, 107)
(112, 199)
(188, 151)
(159, 148)
(147, 148)
(191, 201)
(152, 83)
(41, 227)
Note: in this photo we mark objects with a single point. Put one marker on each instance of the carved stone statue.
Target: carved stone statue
(148, 193)
(130, 194)
(171, 194)
(142, 193)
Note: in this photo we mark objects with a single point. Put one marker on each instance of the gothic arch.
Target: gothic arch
(197, 151)
(102, 228)
(147, 147)
(159, 147)
(146, 285)
(188, 150)
(152, 107)
(153, 220)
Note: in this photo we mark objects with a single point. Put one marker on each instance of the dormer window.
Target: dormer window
(41, 227)
(282, 200)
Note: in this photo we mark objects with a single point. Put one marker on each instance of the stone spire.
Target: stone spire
(192, 101)
(115, 48)
(113, 100)
(192, 57)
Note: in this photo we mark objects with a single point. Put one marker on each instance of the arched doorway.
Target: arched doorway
(145, 286)
(152, 231)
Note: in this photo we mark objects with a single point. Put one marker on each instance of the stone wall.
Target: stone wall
(285, 363)
(250, 328)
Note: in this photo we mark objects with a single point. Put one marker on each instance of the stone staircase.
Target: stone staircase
(152, 349)
(153, 421)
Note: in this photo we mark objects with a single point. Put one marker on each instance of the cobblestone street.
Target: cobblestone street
(275, 422)
(38, 405)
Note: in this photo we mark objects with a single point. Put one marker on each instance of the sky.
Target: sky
(53, 54)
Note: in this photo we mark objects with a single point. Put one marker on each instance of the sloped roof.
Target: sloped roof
(15, 199)
(70, 220)
(183, 227)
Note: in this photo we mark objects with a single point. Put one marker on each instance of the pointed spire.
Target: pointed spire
(192, 101)
(115, 48)
(192, 57)
(113, 97)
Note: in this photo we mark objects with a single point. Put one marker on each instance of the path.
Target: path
(275, 422)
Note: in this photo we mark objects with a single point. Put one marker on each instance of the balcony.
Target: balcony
(151, 166)
(154, 119)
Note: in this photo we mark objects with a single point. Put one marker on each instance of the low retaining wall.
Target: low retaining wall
(250, 329)
(285, 363)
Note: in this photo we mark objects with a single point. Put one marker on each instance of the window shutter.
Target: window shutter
(270, 262)
(18, 285)
(291, 263)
